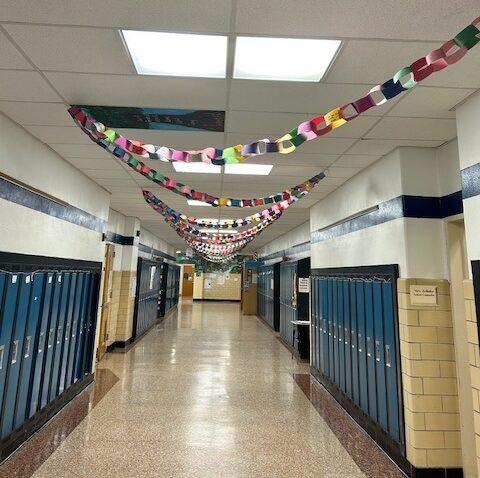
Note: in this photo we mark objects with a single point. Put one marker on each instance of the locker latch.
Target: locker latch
(346, 336)
(377, 350)
(369, 347)
(14, 351)
(26, 348)
(360, 343)
(388, 362)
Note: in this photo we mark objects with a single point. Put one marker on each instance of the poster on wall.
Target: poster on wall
(161, 119)
(153, 269)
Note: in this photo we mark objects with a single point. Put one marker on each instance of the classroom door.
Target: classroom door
(187, 285)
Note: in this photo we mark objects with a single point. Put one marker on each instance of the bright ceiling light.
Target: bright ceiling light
(253, 169)
(219, 231)
(195, 202)
(206, 168)
(177, 54)
(284, 59)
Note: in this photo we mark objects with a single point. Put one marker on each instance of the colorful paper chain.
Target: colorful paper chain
(405, 79)
(82, 119)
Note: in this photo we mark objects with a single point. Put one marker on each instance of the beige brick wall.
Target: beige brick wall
(432, 421)
(474, 358)
(229, 290)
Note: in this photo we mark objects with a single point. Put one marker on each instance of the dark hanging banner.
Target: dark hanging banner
(158, 118)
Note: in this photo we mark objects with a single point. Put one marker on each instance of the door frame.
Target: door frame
(105, 308)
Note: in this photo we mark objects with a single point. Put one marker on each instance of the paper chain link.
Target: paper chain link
(405, 79)
(179, 188)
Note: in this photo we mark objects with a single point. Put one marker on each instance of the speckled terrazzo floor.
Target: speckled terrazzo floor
(207, 393)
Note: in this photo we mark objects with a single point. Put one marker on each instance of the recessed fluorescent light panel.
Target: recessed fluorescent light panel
(195, 202)
(181, 167)
(177, 54)
(283, 59)
(219, 231)
(253, 169)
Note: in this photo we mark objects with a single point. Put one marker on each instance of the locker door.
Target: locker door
(41, 343)
(390, 361)
(9, 286)
(370, 342)
(91, 323)
(331, 340)
(353, 343)
(379, 355)
(67, 333)
(87, 285)
(336, 355)
(341, 344)
(346, 338)
(326, 327)
(361, 346)
(76, 320)
(15, 358)
(51, 339)
(28, 350)
(60, 335)
(313, 324)
(318, 325)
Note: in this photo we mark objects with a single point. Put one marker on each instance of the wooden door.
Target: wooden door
(106, 300)
(187, 284)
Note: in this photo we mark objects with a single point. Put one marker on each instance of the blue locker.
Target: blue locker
(391, 361)
(319, 331)
(331, 340)
(90, 326)
(336, 357)
(41, 343)
(353, 343)
(81, 342)
(59, 337)
(325, 342)
(341, 345)
(379, 355)
(361, 346)
(28, 355)
(313, 325)
(51, 339)
(76, 320)
(370, 341)
(67, 332)
(9, 286)
(346, 338)
(15, 358)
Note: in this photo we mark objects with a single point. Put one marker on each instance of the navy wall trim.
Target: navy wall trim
(471, 181)
(424, 207)
(291, 251)
(155, 252)
(24, 197)
(119, 239)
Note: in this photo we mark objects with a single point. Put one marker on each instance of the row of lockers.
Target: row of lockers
(355, 344)
(47, 333)
(268, 295)
(172, 287)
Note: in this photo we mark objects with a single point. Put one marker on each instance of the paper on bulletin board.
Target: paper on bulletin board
(304, 284)
(207, 283)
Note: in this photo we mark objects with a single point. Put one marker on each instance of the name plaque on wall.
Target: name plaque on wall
(423, 295)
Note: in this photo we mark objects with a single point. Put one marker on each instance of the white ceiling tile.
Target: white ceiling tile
(102, 174)
(342, 172)
(414, 128)
(80, 151)
(45, 114)
(356, 161)
(141, 91)
(423, 20)
(274, 124)
(50, 48)
(430, 102)
(98, 164)
(25, 86)
(169, 15)
(12, 59)
(383, 146)
(353, 129)
(59, 134)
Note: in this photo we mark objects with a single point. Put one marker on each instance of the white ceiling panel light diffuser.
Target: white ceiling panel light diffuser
(283, 59)
(195, 202)
(203, 168)
(177, 54)
(252, 169)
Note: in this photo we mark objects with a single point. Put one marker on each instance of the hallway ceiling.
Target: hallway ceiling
(54, 53)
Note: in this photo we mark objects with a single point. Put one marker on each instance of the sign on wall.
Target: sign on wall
(423, 295)
(304, 285)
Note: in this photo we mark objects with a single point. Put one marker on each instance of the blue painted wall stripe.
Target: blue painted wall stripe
(16, 194)
(119, 239)
(291, 251)
(156, 252)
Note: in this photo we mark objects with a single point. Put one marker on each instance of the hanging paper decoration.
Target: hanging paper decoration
(182, 189)
(405, 79)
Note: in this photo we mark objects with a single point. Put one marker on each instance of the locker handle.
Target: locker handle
(59, 334)
(360, 342)
(377, 350)
(50, 338)
(346, 336)
(14, 351)
(26, 348)
(67, 332)
(369, 347)
(41, 340)
(2, 350)
(324, 326)
(334, 331)
(388, 362)
(352, 333)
